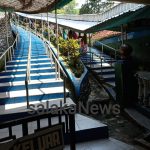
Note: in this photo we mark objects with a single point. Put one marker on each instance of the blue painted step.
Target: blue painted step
(31, 86)
(39, 98)
(25, 62)
(52, 76)
(32, 66)
(24, 72)
(32, 57)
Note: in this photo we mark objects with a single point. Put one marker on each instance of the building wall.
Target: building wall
(140, 42)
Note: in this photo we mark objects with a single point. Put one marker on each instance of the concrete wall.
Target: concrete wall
(3, 35)
(3, 38)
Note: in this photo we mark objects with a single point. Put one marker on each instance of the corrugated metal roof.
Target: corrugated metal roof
(135, 1)
(108, 20)
(80, 26)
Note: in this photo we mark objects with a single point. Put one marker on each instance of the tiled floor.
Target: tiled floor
(106, 144)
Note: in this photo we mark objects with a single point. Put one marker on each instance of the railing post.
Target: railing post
(27, 93)
(25, 128)
(5, 62)
(56, 69)
(115, 55)
(64, 89)
(102, 49)
(46, 48)
(57, 40)
(13, 51)
(51, 58)
(101, 65)
(48, 27)
(17, 42)
(92, 59)
(10, 54)
(72, 131)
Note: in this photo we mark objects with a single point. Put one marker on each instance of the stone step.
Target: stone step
(139, 118)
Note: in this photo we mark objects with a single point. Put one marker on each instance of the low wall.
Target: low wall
(3, 34)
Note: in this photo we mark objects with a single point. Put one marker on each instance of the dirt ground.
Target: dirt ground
(120, 127)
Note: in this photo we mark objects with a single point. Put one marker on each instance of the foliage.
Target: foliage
(70, 48)
(95, 6)
(63, 46)
(69, 9)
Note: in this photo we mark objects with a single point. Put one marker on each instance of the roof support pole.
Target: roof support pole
(16, 29)
(90, 48)
(90, 35)
(42, 24)
(35, 26)
(57, 41)
(18, 19)
(26, 23)
(48, 28)
(6, 24)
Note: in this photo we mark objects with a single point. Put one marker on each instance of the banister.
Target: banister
(27, 78)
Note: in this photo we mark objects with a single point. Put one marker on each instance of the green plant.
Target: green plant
(71, 49)
(63, 46)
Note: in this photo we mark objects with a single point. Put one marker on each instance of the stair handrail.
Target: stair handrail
(105, 45)
(10, 51)
(57, 66)
(27, 78)
(52, 55)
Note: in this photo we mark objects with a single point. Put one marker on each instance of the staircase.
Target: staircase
(102, 66)
(43, 84)
(43, 87)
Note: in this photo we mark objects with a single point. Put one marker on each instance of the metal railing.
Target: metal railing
(9, 53)
(92, 54)
(108, 47)
(53, 57)
(27, 78)
(64, 117)
(101, 57)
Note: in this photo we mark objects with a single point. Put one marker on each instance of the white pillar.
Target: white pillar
(42, 23)
(48, 27)
(35, 26)
(57, 41)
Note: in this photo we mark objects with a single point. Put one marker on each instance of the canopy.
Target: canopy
(116, 22)
(135, 1)
(31, 6)
(76, 25)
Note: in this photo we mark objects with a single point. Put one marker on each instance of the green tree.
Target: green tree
(95, 6)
